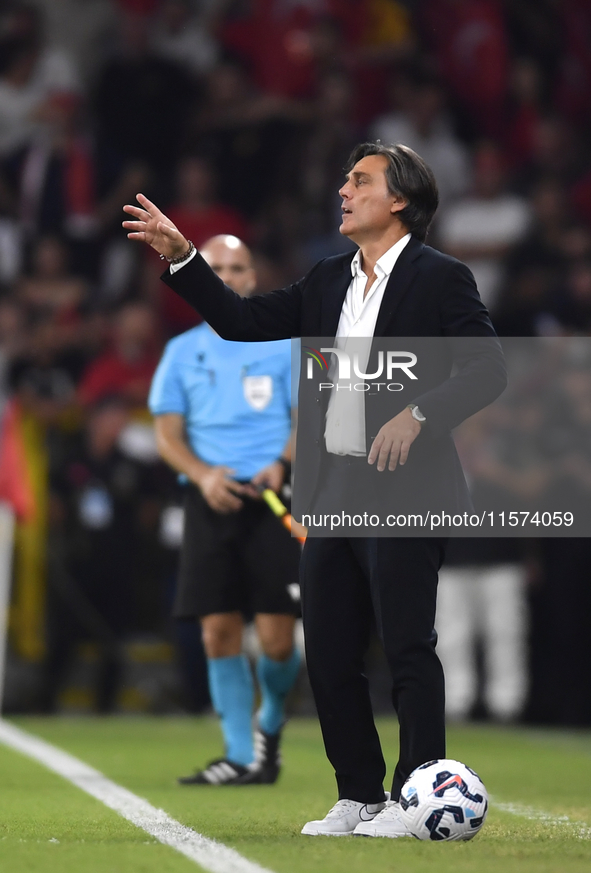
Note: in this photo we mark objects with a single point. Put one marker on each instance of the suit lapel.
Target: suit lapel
(399, 283)
(333, 299)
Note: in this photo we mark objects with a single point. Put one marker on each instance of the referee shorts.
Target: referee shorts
(245, 561)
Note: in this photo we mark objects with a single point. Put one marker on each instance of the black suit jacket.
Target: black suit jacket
(429, 294)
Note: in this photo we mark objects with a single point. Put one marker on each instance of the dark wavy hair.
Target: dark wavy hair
(409, 177)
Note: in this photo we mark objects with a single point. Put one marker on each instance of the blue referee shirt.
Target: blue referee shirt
(235, 397)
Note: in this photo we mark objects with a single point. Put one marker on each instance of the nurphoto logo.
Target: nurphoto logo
(388, 363)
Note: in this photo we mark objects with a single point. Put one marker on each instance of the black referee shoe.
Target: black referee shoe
(224, 772)
(267, 755)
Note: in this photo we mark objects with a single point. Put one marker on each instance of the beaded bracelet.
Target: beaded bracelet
(182, 258)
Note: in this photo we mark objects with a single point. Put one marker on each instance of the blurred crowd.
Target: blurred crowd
(237, 116)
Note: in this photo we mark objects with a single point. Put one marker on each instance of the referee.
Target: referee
(223, 421)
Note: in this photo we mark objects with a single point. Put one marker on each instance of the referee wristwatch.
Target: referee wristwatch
(286, 467)
(416, 413)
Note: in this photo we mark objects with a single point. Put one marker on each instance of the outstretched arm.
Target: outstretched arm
(259, 318)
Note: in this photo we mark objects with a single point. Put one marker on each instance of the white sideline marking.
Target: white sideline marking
(581, 830)
(209, 854)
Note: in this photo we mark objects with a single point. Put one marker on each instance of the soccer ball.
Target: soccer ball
(443, 800)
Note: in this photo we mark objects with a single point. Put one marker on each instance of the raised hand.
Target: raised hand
(153, 227)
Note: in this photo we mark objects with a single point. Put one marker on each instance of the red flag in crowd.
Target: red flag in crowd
(15, 484)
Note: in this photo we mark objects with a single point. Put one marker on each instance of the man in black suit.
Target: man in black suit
(393, 286)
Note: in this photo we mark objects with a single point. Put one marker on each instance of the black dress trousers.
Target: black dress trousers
(344, 581)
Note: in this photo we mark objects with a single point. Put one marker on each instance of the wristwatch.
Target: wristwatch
(416, 413)
(286, 466)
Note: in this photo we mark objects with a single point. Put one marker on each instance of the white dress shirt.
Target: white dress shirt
(345, 418)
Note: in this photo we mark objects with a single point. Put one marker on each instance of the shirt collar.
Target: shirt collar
(356, 264)
(385, 264)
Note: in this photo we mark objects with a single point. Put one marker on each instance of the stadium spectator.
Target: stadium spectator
(481, 228)
(125, 370)
(182, 33)
(573, 81)
(469, 41)
(82, 29)
(65, 184)
(52, 294)
(13, 335)
(423, 124)
(58, 339)
(289, 47)
(481, 600)
(197, 209)
(245, 135)
(224, 424)
(137, 90)
(556, 154)
(556, 237)
(201, 215)
(575, 241)
(30, 74)
(276, 44)
(43, 378)
(53, 178)
(97, 496)
(380, 40)
(324, 149)
(550, 217)
(526, 304)
(524, 111)
(535, 31)
(482, 616)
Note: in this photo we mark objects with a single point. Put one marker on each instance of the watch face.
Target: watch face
(417, 414)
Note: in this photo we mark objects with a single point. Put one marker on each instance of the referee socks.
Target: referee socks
(232, 694)
(276, 679)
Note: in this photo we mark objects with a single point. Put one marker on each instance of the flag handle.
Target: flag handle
(280, 510)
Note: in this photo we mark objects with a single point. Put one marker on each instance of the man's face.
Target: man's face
(368, 207)
(231, 260)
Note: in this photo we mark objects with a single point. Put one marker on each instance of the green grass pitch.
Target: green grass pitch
(48, 825)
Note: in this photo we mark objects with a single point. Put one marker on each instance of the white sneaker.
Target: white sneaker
(387, 823)
(343, 818)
